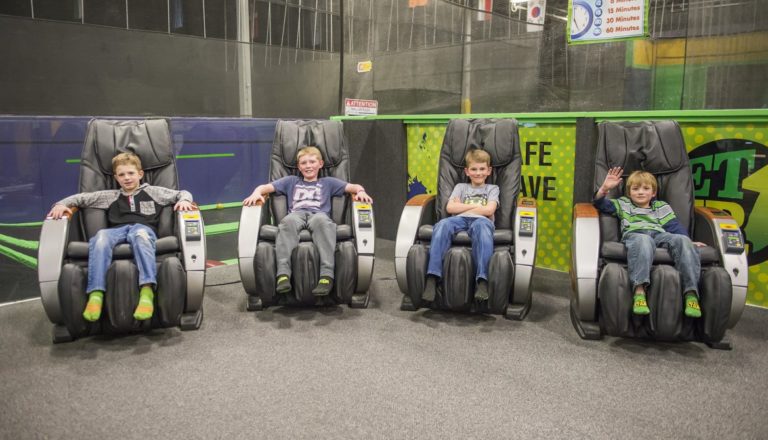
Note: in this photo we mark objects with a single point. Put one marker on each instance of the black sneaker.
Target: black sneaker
(283, 284)
(323, 287)
(430, 288)
(481, 291)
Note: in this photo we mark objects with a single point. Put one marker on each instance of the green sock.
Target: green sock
(640, 305)
(146, 306)
(692, 307)
(92, 310)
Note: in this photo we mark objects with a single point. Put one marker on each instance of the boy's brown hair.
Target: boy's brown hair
(309, 149)
(476, 155)
(126, 159)
(640, 178)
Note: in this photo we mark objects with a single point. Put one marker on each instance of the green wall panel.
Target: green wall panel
(729, 168)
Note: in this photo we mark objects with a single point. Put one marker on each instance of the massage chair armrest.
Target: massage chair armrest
(585, 255)
(418, 211)
(52, 248)
(526, 231)
(718, 229)
(191, 232)
(251, 220)
(525, 235)
(364, 229)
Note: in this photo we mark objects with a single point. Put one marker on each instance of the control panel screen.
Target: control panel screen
(526, 226)
(192, 229)
(733, 243)
(364, 218)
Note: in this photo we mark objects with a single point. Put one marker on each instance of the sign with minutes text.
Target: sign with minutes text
(360, 107)
(593, 21)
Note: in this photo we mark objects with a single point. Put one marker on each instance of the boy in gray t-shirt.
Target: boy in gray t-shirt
(472, 206)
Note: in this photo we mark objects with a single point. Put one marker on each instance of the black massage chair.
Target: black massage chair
(511, 266)
(355, 231)
(63, 250)
(602, 297)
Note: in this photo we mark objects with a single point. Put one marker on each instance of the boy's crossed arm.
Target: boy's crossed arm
(456, 206)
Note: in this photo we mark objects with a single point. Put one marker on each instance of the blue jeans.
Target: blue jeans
(480, 230)
(641, 246)
(142, 240)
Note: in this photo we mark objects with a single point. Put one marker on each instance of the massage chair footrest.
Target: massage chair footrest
(61, 334)
(253, 303)
(407, 304)
(360, 301)
(191, 320)
(517, 312)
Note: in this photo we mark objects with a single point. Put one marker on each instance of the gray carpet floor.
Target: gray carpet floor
(338, 373)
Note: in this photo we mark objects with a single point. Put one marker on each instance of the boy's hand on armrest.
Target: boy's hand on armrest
(358, 193)
(699, 244)
(58, 211)
(612, 180)
(183, 205)
(258, 194)
(362, 196)
(253, 199)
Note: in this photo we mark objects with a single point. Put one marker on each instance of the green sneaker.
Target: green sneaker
(283, 284)
(640, 305)
(323, 287)
(692, 307)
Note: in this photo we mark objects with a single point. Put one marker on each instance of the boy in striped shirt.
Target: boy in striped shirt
(647, 223)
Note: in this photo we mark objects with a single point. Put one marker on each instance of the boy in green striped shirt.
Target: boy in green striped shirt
(647, 223)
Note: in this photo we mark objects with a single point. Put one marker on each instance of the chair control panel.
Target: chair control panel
(192, 230)
(526, 226)
(733, 242)
(364, 227)
(364, 217)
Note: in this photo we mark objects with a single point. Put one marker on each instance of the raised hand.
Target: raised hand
(612, 180)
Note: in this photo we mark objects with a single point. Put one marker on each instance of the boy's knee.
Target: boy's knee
(101, 238)
(143, 234)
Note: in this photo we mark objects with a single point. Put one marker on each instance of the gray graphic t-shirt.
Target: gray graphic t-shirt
(481, 195)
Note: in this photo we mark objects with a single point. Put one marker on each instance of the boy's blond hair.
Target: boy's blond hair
(476, 155)
(640, 178)
(126, 159)
(309, 150)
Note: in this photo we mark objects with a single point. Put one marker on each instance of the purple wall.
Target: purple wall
(34, 151)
